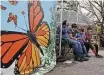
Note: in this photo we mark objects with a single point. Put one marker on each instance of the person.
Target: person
(102, 40)
(89, 45)
(80, 35)
(77, 48)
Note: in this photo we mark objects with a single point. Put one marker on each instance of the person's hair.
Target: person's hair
(64, 22)
(82, 29)
(74, 25)
(89, 28)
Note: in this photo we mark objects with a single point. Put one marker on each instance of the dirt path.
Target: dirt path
(95, 66)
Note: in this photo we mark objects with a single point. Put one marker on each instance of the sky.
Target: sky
(16, 10)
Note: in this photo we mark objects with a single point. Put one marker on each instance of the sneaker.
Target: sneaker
(85, 59)
(78, 59)
(88, 56)
(99, 56)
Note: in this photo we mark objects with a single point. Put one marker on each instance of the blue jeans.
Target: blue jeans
(83, 48)
(77, 48)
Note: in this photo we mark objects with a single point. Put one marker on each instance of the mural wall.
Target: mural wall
(27, 37)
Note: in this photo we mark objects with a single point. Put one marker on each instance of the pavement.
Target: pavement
(95, 66)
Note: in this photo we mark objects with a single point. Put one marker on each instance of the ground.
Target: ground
(95, 66)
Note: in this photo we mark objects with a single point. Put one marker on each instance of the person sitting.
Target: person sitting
(77, 48)
(89, 45)
(80, 35)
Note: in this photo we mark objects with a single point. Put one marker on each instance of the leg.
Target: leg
(92, 48)
(77, 49)
(76, 46)
(96, 48)
(97, 55)
(87, 46)
(84, 50)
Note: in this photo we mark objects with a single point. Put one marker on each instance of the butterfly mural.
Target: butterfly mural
(25, 48)
(2, 7)
(13, 2)
(12, 17)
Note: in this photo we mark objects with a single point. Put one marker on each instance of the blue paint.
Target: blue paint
(16, 10)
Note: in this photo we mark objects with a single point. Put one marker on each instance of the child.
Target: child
(95, 46)
(81, 38)
(89, 45)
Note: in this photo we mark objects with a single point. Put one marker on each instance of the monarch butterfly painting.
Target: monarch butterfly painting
(12, 17)
(25, 48)
(13, 2)
(2, 7)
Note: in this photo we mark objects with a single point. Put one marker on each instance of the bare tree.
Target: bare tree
(96, 7)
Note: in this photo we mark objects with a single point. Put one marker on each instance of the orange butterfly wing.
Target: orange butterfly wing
(15, 19)
(13, 2)
(11, 47)
(43, 34)
(35, 15)
(35, 18)
(10, 18)
(30, 58)
(2, 7)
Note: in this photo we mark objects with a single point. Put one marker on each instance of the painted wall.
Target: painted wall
(27, 37)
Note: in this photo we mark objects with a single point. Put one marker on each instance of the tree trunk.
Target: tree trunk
(102, 27)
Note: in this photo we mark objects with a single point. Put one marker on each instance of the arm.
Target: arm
(78, 38)
(88, 37)
(74, 38)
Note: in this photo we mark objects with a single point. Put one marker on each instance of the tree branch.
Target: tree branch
(93, 5)
(92, 11)
(97, 3)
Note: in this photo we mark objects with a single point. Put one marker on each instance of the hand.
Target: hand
(74, 38)
(81, 38)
